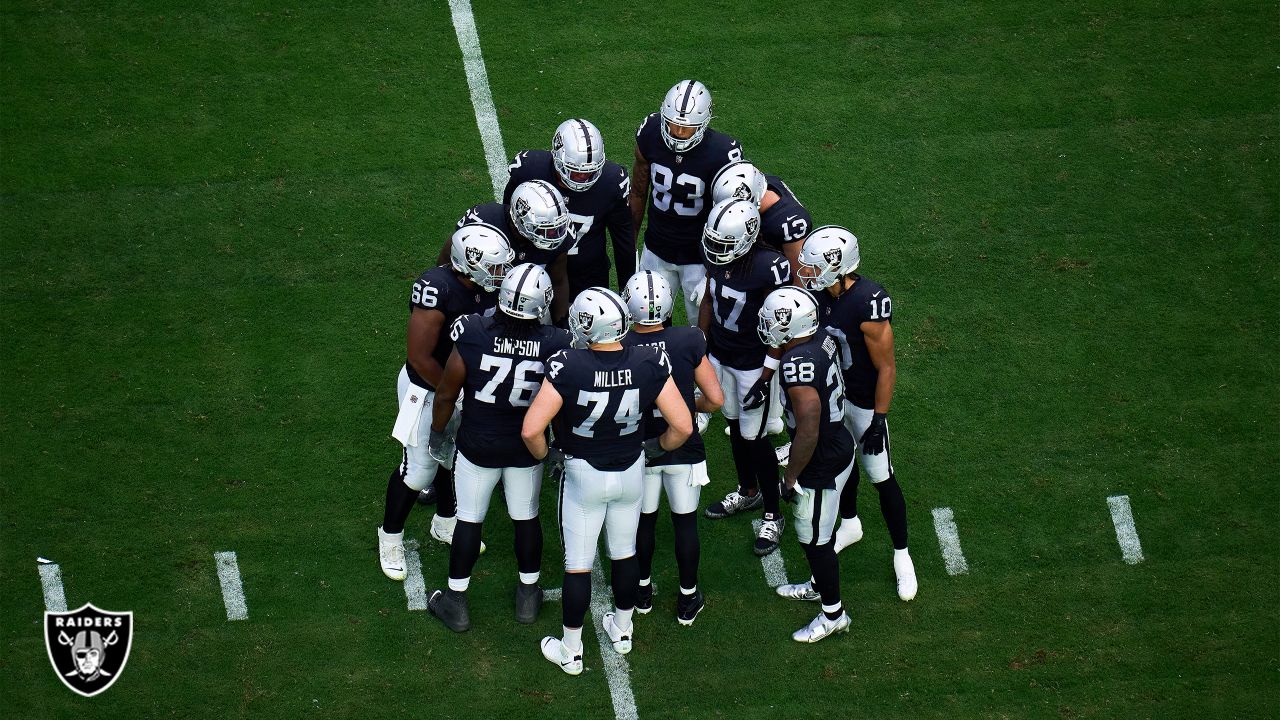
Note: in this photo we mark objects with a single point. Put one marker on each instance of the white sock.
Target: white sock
(645, 582)
(530, 578)
(573, 640)
(689, 591)
(900, 553)
(457, 585)
(394, 537)
(622, 618)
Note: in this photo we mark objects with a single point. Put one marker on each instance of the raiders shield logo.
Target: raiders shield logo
(832, 257)
(584, 321)
(522, 207)
(753, 226)
(782, 316)
(474, 255)
(88, 647)
(742, 192)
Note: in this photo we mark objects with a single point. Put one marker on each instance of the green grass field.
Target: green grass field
(212, 212)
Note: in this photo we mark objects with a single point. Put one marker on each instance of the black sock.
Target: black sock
(894, 508)
(688, 547)
(625, 575)
(575, 597)
(465, 549)
(849, 496)
(446, 500)
(741, 450)
(826, 571)
(400, 499)
(765, 462)
(528, 545)
(646, 540)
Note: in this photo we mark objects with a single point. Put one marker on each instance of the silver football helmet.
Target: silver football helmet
(598, 315)
(648, 298)
(786, 314)
(539, 213)
(687, 104)
(526, 292)
(482, 253)
(577, 151)
(828, 254)
(731, 228)
(740, 180)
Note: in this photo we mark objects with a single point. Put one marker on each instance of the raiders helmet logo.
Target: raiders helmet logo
(557, 142)
(522, 207)
(742, 192)
(584, 321)
(547, 295)
(832, 256)
(88, 647)
(474, 255)
(753, 226)
(782, 316)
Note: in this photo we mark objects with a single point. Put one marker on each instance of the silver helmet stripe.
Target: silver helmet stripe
(684, 101)
(520, 284)
(715, 224)
(622, 310)
(586, 138)
(649, 278)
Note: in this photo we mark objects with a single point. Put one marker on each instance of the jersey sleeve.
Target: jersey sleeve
(465, 332)
(695, 348)
(557, 374)
(517, 171)
(647, 130)
(622, 232)
(470, 217)
(779, 270)
(557, 340)
(799, 369)
(428, 293)
(876, 307)
(795, 228)
(659, 370)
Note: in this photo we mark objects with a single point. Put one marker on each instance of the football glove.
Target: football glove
(790, 494)
(440, 446)
(653, 449)
(873, 440)
(756, 396)
(554, 456)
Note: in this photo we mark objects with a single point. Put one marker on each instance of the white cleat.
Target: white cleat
(774, 426)
(621, 640)
(442, 530)
(906, 572)
(849, 532)
(821, 627)
(783, 454)
(703, 420)
(391, 554)
(554, 650)
(799, 591)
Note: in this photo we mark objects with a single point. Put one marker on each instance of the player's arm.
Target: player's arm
(712, 395)
(423, 334)
(792, 251)
(622, 233)
(879, 339)
(559, 272)
(807, 408)
(676, 413)
(704, 309)
(534, 431)
(447, 390)
(638, 199)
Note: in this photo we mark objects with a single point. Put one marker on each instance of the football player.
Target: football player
(859, 314)
(596, 192)
(536, 222)
(784, 222)
(741, 272)
(500, 362)
(681, 473)
(677, 156)
(478, 259)
(599, 397)
(822, 448)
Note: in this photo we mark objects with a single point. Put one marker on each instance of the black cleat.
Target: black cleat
(451, 607)
(768, 535)
(528, 603)
(688, 607)
(644, 599)
(427, 495)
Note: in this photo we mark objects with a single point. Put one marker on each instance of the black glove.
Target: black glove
(554, 456)
(653, 449)
(436, 445)
(872, 442)
(787, 493)
(756, 396)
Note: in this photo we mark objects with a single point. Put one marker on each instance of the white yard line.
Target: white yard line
(1126, 531)
(415, 588)
(616, 669)
(232, 588)
(55, 597)
(775, 569)
(944, 524)
(464, 24)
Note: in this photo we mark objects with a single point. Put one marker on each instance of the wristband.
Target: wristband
(770, 362)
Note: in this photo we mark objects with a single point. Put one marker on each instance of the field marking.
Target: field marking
(232, 588)
(464, 24)
(415, 588)
(616, 669)
(55, 597)
(1126, 531)
(775, 568)
(944, 524)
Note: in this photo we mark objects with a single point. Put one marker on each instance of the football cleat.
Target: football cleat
(451, 607)
(391, 554)
(688, 607)
(799, 591)
(621, 640)
(528, 603)
(644, 599)
(768, 535)
(442, 530)
(849, 532)
(554, 650)
(906, 572)
(784, 454)
(821, 627)
(703, 420)
(733, 503)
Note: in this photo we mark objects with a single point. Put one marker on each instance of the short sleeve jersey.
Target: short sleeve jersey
(441, 289)
(680, 189)
(786, 221)
(495, 214)
(866, 301)
(816, 364)
(607, 395)
(737, 291)
(503, 375)
(685, 348)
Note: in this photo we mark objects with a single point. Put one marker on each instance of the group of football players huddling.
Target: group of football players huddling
(520, 358)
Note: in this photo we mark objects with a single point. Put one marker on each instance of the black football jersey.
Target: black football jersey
(680, 189)
(503, 375)
(495, 214)
(685, 348)
(441, 289)
(786, 221)
(737, 291)
(816, 364)
(866, 301)
(607, 395)
(592, 211)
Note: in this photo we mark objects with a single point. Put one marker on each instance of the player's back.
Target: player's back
(685, 348)
(786, 220)
(815, 363)
(866, 301)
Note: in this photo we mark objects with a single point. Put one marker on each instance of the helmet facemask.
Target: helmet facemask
(577, 152)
